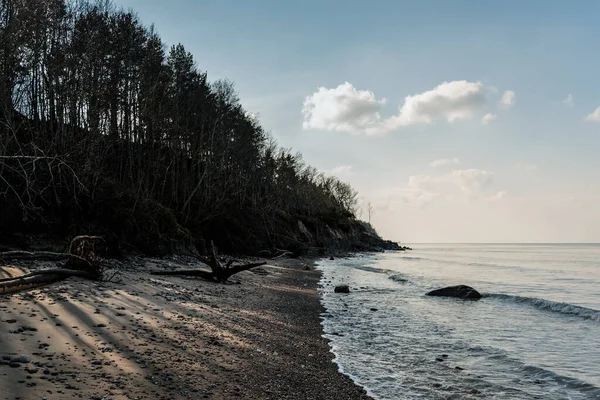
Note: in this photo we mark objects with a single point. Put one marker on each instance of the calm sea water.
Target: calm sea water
(534, 335)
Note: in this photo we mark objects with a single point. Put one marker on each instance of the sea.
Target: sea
(535, 334)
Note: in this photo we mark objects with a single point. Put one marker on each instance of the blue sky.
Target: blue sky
(527, 175)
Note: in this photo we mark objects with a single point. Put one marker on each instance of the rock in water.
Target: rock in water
(342, 289)
(460, 291)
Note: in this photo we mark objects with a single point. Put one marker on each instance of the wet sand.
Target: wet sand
(160, 337)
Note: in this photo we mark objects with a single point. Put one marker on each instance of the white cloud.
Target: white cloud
(471, 181)
(419, 197)
(342, 170)
(415, 193)
(487, 118)
(341, 109)
(595, 116)
(499, 195)
(418, 181)
(508, 99)
(445, 161)
(422, 190)
(451, 101)
(357, 111)
(569, 100)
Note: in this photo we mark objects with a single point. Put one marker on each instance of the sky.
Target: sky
(458, 121)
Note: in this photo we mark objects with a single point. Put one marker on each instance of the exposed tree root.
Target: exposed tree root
(81, 262)
(218, 272)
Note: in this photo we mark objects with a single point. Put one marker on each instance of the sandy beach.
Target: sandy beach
(155, 337)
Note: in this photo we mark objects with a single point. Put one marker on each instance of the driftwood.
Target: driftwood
(48, 272)
(218, 272)
(276, 253)
(41, 255)
(285, 253)
(39, 278)
(81, 262)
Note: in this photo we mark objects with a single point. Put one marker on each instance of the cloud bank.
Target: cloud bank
(421, 190)
(348, 109)
(471, 181)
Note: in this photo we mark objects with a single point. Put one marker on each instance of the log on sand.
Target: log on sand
(81, 262)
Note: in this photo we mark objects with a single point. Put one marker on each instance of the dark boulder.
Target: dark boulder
(460, 291)
(342, 289)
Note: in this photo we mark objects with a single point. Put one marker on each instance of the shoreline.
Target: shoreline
(172, 337)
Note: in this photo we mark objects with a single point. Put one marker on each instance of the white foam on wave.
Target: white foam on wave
(549, 305)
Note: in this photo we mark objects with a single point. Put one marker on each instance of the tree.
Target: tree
(102, 126)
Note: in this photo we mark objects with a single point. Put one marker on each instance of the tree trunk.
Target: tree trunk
(39, 278)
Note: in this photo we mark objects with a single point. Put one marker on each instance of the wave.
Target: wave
(549, 305)
(467, 263)
(371, 269)
(535, 373)
(491, 265)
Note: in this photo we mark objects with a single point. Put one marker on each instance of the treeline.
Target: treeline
(105, 130)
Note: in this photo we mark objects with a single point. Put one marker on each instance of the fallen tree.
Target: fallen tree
(39, 278)
(217, 273)
(81, 261)
(42, 255)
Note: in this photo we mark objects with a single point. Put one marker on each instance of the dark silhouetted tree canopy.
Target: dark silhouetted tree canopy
(105, 130)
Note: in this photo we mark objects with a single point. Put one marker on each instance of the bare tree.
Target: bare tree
(101, 125)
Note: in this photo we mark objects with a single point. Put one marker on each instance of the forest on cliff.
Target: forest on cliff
(106, 130)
